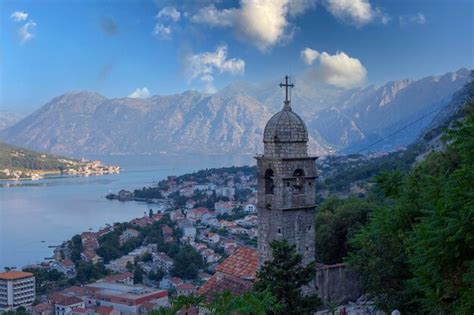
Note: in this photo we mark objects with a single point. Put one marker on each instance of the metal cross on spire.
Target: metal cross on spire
(286, 85)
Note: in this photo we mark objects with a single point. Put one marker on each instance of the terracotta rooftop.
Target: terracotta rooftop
(186, 286)
(42, 307)
(243, 263)
(81, 310)
(221, 283)
(69, 300)
(104, 310)
(118, 277)
(13, 275)
(235, 274)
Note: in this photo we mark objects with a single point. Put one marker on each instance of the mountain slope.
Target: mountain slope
(232, 120)
(8, 119)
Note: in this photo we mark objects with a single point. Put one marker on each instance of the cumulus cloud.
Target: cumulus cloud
(140, 93)
(162, 32)
(25, 32)
(358, 12)
(263, 23)
(309, 55)
(339, 69)
(204, 66)
(170, 13)
(418, 18)
(211, 16)
(19, 16)
(166, 17)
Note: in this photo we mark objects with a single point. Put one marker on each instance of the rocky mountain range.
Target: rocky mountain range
(8, 119)
(232, 120)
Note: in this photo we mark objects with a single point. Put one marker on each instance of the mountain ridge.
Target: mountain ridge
(230, 121)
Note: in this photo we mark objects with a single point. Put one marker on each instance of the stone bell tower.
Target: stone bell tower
(286, 178)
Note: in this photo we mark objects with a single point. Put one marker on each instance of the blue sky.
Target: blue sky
(140, 48)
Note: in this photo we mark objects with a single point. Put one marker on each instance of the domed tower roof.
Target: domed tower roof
(285, 134)
(285, 126)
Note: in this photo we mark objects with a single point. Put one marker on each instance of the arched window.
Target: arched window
(299, 185)
(269, 182)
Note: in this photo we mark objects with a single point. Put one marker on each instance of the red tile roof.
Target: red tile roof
(235, 274)
(118, 277)
(243, 263)
(13, 275)
(69, 300)
(220, 283)
(79, 310)
(186, 286)
(104, 310)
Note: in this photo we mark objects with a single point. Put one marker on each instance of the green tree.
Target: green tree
(417, 254)
(187, 263)
(138, 274)
(285, 276)
(337, 220)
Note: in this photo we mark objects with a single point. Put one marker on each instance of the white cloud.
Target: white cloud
(169, 12)
(339, 69)
(263, 23)
(358, 12)
(418, 18)
(166, 17)
(309, 55)
(19, 16)
(140, 93)
(161, 31)
(204, 66)
(211, 16)
(25, 32)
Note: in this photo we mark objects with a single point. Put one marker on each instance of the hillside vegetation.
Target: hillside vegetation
(12, 157)
(411, 237)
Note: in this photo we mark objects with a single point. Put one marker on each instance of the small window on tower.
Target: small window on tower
(307, 248)
(279, 231)
(269, 187)
(310, 183)
(298, 186)
(309, 227)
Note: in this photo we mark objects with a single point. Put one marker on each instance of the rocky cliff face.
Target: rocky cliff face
(232, 120)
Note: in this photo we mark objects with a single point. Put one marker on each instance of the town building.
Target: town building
(124, 278)
(236, 274)
(127, 235)
(286, 177)
(66, 305)
(17, 288)
(65, 266)
(185, 289)
(126, 298)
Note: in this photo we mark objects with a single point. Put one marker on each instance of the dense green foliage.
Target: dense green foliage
(337, 220)
(148, 193)
(347, 173)
(47, 281)
(201, 176)
(75, 246)
(19, 158)
(110, 247)
(249, 303)
(417, 252)
(284, 276)
(187, 263)
(89, 272)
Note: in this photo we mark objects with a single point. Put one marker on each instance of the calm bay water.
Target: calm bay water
(37, 214)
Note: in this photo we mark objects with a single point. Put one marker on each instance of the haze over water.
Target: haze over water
(53, 210)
